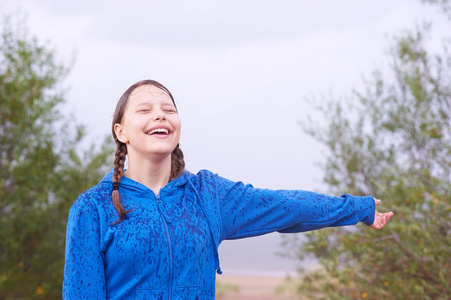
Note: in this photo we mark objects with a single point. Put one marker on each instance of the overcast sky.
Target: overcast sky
(239, 70)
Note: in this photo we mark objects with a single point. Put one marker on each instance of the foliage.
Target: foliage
(41, 168)
(222, 289)
(392, 141)
(444, 5)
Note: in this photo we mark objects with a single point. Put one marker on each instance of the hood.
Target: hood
(136, 187)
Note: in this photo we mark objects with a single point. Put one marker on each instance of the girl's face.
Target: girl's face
(150, 125)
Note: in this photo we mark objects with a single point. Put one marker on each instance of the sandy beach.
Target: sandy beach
(252, 288)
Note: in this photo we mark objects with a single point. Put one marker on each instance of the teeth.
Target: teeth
(162, 130)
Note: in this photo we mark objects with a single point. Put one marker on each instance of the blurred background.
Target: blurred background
(255, 83)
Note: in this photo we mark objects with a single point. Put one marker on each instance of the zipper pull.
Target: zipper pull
(162, 209)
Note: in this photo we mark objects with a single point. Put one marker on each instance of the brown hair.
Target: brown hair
(177, 162)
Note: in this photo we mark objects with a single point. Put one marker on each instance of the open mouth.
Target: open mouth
(159, 131)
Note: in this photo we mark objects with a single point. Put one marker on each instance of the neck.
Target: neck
(154, 174)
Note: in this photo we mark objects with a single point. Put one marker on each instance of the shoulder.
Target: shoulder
(207, 176)
(206, 179)
(93, 199)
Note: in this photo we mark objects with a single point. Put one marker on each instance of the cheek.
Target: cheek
(137, 123)
(177, 127)
(177, 124)
(178, 133)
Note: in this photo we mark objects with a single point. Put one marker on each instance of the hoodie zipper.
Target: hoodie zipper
(166, 221)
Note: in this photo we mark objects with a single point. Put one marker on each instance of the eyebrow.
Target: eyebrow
(146, 103)
(143, 104)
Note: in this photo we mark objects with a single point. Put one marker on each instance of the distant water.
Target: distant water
(256, 256)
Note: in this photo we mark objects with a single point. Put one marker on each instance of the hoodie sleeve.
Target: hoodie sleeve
(247, 211)
(84, 275)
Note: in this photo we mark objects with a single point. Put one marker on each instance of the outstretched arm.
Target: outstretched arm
(380, 219)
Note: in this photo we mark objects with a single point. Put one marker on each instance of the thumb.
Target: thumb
(377, 201)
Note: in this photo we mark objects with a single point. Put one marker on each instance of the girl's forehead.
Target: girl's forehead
(148, 93)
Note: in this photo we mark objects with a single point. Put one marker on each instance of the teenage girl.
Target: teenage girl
(152, 231)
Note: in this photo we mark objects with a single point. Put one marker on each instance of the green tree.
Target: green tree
(42, 169)
(392, 141)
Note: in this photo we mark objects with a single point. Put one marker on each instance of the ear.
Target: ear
(119, 131)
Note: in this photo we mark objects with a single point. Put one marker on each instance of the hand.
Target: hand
(380, 219)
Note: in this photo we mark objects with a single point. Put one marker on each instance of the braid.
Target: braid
(119, 163)
(177, 163)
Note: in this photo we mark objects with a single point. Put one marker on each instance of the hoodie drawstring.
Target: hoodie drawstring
(215, 248)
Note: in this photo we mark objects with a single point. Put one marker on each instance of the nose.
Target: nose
(159, 116)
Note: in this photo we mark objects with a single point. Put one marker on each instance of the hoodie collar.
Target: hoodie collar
(133, 185)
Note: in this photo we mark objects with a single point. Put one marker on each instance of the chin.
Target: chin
(161, 151)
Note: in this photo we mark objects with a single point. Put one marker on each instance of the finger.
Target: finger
(381, 219)
(385, 218)
(389, 215)
(377, 201)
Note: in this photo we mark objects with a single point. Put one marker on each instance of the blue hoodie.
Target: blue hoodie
(166, 248)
